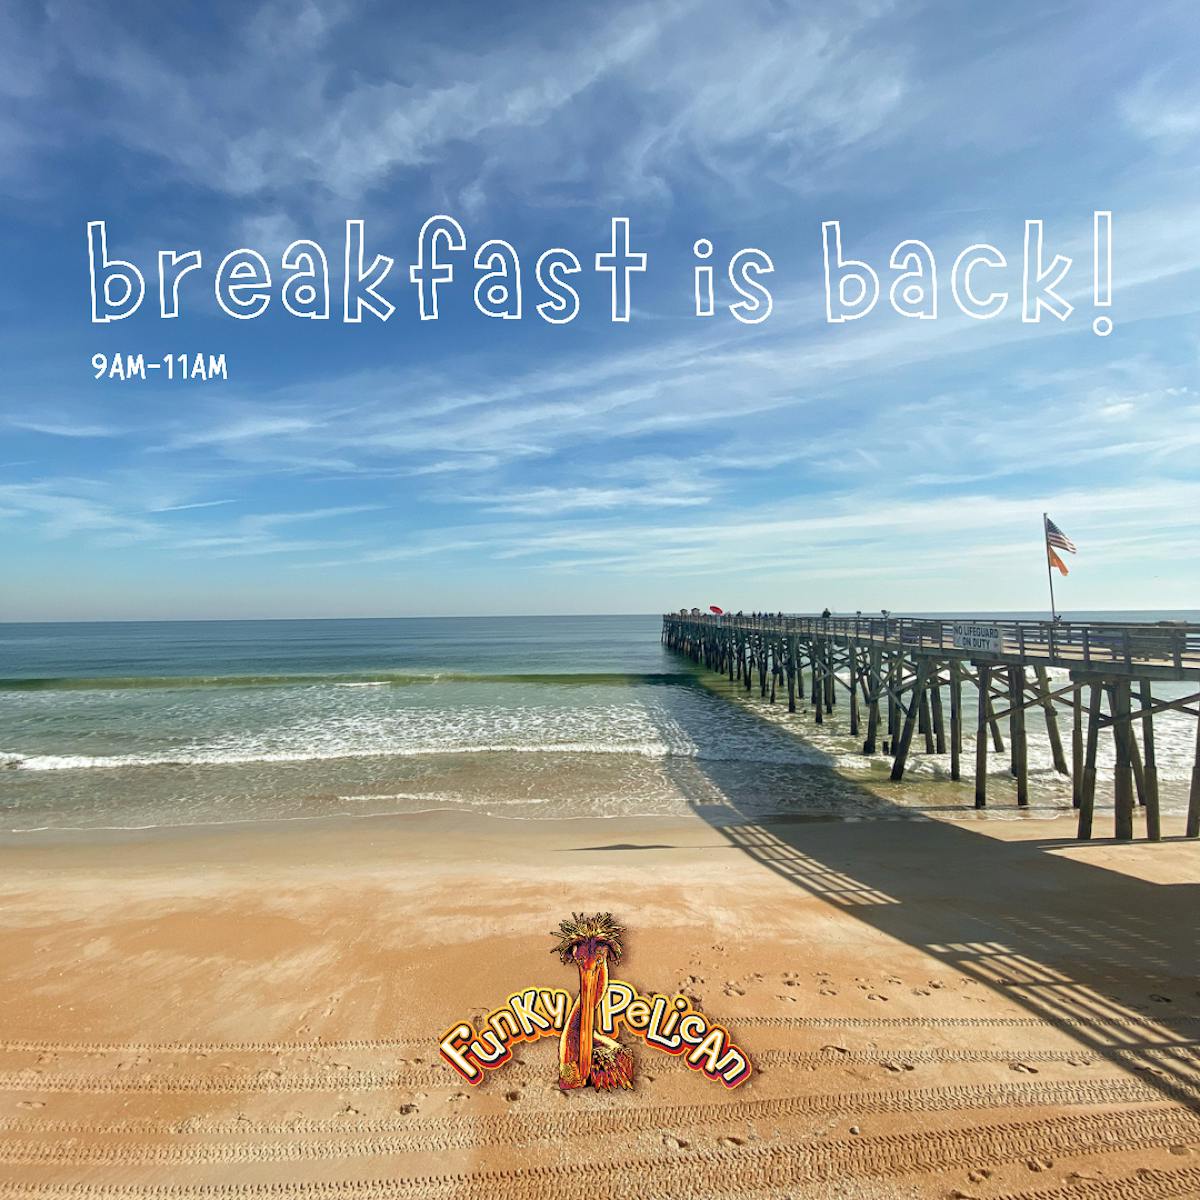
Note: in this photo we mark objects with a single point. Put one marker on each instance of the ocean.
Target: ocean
(156, 724)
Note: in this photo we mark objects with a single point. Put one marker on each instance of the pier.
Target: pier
(902, 681)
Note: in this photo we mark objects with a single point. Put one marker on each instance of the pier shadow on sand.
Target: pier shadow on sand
(1108, 956)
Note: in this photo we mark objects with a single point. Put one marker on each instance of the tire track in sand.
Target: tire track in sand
(716, 1172)
(335, 1079)
(424, 1134)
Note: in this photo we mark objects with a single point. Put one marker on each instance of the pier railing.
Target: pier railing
(1100, 645)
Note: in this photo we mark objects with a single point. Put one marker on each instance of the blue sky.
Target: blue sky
(476, 466)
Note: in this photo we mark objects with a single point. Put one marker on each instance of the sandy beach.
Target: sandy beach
(933, 1009)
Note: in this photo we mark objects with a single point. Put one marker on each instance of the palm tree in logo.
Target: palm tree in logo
(585, 1055)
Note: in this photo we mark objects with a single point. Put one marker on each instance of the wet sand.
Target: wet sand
(933, 1009)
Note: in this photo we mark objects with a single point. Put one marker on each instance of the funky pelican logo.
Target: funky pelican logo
(586, 1024)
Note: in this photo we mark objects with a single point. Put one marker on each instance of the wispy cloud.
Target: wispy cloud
(64, 429)
(165, 508)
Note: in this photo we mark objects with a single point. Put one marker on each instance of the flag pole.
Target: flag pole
(1049, 568)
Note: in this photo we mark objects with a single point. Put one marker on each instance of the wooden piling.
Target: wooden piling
(1056, 746)
(984, 677)
(939, 721)
(893, 678)
(1118, 702)
(955, 720)
(1193, 817)
(926, 720)
(1076, 744)
(1153, 814)
(1087, 793)
(1016, 733)
(910, 720)
(854, 670)
(875, 670)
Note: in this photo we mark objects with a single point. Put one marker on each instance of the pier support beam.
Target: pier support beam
(1076, 744)
(910, 719)
(1016, 732)
(1193, 817)
(984, 676)
(875, 682)
(955, 720)
(1087, 792)
(1118, 702)
(1056, 746)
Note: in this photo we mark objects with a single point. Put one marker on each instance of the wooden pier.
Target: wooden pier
(902, 680)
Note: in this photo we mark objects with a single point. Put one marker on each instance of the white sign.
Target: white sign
(968, 636)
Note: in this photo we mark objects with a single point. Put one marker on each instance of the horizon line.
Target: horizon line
(998, 612)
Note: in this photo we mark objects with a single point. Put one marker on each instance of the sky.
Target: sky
(470, 465)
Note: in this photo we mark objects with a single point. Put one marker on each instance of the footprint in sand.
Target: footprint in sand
(730, 1142)
(512, 1097)
(407, 1110)
(674, 1143)
(31, 1104)
(979, 1175)
(1022, 1068)
(920, 991)
(828, 991)
(732, 989)
(1160, 999)
(1039, 1162)
(877, 996)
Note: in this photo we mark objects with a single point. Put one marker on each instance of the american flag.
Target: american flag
(1056, 537)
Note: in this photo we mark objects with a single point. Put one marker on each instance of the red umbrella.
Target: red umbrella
(712, 608)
